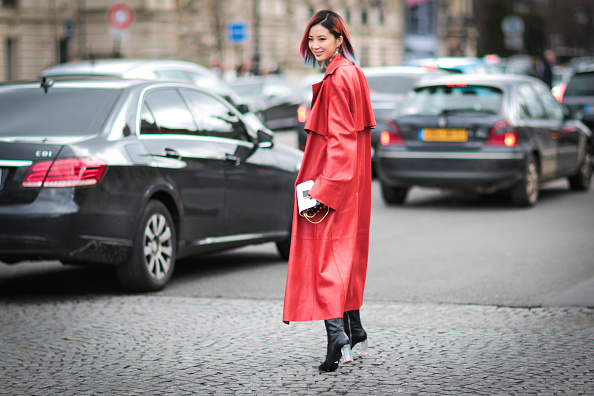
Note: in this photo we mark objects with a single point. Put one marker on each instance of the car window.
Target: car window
(553, 109)
(392, 84)
(214, 117)
(440, 99)
(166, 111)
(582, 84)
(530, 107)
(59, 112)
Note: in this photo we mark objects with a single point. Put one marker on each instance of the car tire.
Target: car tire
(154, 250)
(581, 180)
(526, 193)
(394, 195)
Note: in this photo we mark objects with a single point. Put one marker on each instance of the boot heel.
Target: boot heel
(347, 356)
(363, 348)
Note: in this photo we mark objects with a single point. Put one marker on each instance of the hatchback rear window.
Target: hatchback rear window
(59, 112)
(392, 84)
(581, 85)
(449, 99)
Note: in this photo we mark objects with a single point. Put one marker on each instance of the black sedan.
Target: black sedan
(135, 174)
(486, 134)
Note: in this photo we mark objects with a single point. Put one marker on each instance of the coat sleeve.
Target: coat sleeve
(332, 185)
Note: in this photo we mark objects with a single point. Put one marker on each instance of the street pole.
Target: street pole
(256, 58)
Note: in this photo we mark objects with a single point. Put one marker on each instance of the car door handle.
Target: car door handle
(233, 158)
(171, 153)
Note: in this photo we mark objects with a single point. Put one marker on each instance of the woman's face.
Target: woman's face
(322, 43)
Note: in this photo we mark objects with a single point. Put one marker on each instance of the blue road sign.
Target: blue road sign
(237, 32)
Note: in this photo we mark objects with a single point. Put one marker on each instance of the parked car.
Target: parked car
(147, 69)
(273, 98)
(136, 174)
(303, 111)
(486, 134)
(387, 88)
(579, 95)
(464, 65)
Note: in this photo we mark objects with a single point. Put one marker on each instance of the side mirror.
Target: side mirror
(265, 140)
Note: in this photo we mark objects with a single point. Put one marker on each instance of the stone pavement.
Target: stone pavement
(155, 345)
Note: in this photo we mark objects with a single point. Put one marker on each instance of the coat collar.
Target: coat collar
(336, 63)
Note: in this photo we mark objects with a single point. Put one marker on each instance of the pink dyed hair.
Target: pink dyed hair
(335, 24)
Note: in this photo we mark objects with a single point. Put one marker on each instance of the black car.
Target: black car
(483, 133)
(579, 95)
(135, 174)
(273, 98)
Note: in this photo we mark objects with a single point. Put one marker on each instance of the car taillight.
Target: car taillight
(558, 92)
(392, 136)
(67, 172)
(302, 114)
(503, 134)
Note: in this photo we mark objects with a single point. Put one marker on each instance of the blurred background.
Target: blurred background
(238, 37)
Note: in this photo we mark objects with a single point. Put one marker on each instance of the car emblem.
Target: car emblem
(441, 121)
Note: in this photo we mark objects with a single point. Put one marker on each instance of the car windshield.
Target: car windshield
(59, 112)
(391, 84)
(581, 84)
(452, 98)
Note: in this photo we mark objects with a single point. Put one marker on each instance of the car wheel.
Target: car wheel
(581, 180)
(526, 193)
(394, 195)
(153, 252)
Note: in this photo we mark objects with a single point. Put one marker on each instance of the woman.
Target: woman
(328, 259)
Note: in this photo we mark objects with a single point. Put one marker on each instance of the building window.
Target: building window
(10, 3)
(381, 18)
(10, 59)
(421, 17)
(364, 17)
(347, 16)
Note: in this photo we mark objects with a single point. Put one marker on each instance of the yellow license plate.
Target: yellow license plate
(444, 135)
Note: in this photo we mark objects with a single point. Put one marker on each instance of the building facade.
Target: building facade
(36, 34)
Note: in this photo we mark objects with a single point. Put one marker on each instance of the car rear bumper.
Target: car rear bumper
(481, 171)
(55, 227)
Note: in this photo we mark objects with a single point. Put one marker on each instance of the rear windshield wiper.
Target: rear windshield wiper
(466, 110)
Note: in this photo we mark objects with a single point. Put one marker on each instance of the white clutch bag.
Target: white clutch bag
(304, 201)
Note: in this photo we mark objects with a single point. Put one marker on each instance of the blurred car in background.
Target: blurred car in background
(135, 174)
(305, 87)
(464, 65)
(484, 133)
(387, 88)
(273, 98)
(147, 69)
(579, 95)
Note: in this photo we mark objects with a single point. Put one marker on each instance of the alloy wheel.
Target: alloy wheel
(157, 246)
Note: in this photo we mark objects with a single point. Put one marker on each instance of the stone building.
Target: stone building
(35, 34)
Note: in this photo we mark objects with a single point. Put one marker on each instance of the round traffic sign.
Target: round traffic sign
(120, 16)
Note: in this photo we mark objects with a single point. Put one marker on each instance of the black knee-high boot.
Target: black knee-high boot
(354, 330)
(338, 345)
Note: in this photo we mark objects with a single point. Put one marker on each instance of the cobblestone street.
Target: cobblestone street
(155, 345)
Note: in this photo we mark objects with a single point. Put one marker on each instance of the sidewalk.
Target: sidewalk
(154, 345)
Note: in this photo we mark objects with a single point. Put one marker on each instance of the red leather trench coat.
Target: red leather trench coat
(328, 261)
